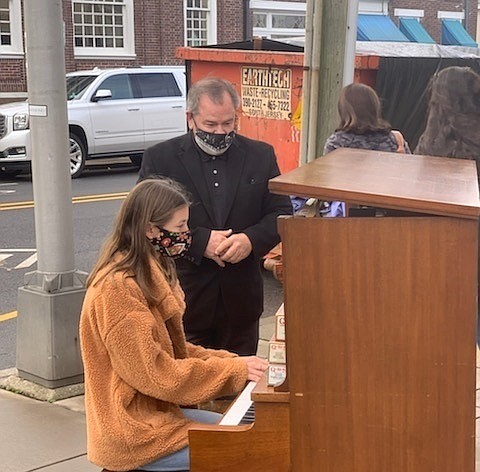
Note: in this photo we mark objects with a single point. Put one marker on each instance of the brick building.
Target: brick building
(114, 33)
(118, 33)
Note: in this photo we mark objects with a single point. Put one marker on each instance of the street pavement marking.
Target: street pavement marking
(4, 256)
(8, 316)
(16, 253)
(101, 196)
(27, 262)
(17, 250)
(82, 199)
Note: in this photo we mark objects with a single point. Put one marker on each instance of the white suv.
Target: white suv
(115, 112)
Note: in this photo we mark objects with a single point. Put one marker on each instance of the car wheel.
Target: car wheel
(136, 160)
(78, 156)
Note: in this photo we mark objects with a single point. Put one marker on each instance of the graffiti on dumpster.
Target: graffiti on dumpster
(266, 92)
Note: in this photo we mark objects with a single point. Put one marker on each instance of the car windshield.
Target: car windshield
(77, 84)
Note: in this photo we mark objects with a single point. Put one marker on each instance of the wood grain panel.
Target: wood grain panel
(261, 447)
(380, 335)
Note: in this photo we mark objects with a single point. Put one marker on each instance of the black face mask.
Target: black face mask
(212, 143)
(170, 244)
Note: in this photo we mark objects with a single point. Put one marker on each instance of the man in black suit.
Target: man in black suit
(232, 217)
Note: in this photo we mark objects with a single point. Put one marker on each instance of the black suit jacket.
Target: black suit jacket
(251, 209)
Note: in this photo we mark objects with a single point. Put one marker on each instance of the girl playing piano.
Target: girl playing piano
(139, 368)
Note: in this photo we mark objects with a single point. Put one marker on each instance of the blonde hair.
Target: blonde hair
(152, 201)
(360, 110)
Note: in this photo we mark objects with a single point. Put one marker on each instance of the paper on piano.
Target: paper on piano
(280, 327)
(276, 374)
(238, 408)
(276, 352)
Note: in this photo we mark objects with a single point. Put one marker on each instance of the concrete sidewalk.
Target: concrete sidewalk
(41, 436)
(50, 437)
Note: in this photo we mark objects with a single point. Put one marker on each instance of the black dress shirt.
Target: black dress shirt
(215, 173)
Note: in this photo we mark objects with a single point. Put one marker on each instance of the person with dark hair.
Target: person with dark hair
(233, 217)
(453, 121)
(139, 368)
(453, 117)
(361, 123)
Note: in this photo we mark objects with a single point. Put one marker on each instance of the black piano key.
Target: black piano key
(249, 416)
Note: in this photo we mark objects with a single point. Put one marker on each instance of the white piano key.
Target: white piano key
(239, 407)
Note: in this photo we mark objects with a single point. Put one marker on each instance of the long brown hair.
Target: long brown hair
(151, 201)
(453, 118)
(360, 110)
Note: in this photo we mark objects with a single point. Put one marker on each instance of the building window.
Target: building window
(259, 20)
(10, 27)
(288, 21)
(276, 20)
(103, 27)
(5, 30)
(374, 7)
(200, 22)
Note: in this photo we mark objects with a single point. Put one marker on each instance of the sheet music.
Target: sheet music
(236, 411)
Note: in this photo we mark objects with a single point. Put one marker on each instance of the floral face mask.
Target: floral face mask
(170, 244)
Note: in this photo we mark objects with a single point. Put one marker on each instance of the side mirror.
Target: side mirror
(102, 94)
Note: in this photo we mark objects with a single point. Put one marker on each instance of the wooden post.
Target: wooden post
(325, 69)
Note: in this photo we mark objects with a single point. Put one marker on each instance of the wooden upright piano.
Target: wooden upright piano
(380, 326)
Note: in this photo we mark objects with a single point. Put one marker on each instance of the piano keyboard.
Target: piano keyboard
(235, 446)
(241, 411)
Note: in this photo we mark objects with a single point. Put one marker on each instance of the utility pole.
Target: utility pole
(49, 303)
(466, 12)
(350, 42)
(328, 53)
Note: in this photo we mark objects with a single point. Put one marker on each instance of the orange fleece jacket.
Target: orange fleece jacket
(139, 368)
